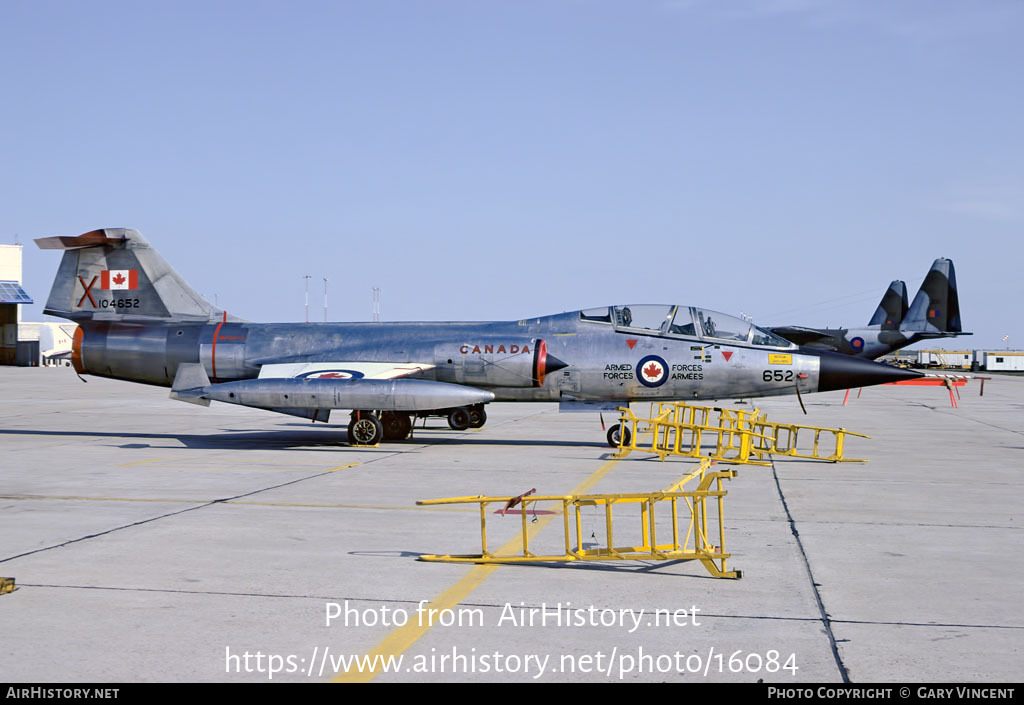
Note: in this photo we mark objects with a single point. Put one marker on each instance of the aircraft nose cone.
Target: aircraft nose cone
(845, 372)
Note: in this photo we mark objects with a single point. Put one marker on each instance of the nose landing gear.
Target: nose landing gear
(615, 436)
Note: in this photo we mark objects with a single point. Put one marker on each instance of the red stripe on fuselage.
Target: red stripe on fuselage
(213, 352)
(76, 350)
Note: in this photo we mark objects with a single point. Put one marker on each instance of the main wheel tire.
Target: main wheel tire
(613, 435)
(366, 430)
(477, 417)
(459, 419)
(396, 425)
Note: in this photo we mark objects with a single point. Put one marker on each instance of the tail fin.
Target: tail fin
(189, 382)
(114, 274)
(936, 308)
(893, 307)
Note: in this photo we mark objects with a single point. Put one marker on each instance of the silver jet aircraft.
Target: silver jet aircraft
(935, 313)
(140, 321)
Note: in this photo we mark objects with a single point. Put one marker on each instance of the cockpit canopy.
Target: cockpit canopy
(684, 321)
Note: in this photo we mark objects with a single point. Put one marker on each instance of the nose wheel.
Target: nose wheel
(615, 436)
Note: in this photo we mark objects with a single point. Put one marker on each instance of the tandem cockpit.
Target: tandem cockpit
(670, 321)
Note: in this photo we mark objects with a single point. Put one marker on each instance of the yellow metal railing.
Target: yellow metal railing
(690, 537)
(727, 435)
(690, 431)
(785, 440)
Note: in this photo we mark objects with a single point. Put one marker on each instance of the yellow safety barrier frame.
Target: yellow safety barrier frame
(682, 429)
(689, 542)
(738, 436)
(785, 441)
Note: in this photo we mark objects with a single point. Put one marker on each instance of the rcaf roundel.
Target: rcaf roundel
(857, 344)
(652, 371)
(332, 374)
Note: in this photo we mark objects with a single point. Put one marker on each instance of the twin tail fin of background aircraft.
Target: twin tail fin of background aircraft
(893, 307)
(934, 313)
(936, 308)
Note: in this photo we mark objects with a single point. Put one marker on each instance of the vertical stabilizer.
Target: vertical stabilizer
(936, 308)
(893, 307)
(114, 274)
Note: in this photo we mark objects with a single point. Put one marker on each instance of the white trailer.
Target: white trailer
(959, 359)
(1001, 360)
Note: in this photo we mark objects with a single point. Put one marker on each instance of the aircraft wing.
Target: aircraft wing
(802, 336)
(342, 370)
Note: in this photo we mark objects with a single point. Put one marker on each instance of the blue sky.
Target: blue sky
(485, 160)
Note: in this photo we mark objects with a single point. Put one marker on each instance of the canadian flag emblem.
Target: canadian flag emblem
(119, 279)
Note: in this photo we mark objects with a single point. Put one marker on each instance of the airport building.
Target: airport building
(26, 344)
(988, 360)
(1000, 360)
(961, 359)
(13, 351)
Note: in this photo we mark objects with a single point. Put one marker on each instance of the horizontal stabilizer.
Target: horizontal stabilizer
(89, 239)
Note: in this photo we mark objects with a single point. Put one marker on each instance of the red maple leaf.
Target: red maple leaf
(332, 375)
(652, 370)
(119, 279)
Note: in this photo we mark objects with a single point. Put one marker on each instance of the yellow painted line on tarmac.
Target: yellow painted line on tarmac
(186, 466)
(403, 637)
(343, 467)
(176, 500)
(237, 468)
(341, 506)
(104, 499)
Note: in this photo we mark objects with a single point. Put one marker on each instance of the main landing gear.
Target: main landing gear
(462, 417)
(365, 429)
(368, 428)
(397, 425)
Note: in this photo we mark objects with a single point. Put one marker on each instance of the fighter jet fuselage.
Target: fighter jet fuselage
(537, 359)
(138, 320)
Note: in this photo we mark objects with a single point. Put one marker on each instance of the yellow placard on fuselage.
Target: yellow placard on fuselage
(780, 359)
